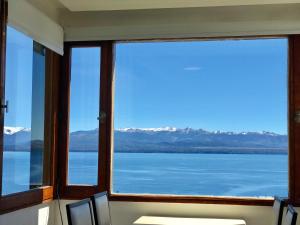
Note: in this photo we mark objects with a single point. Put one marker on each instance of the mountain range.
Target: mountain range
(166, 140)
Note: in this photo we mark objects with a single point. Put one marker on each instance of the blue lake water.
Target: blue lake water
(163, 173)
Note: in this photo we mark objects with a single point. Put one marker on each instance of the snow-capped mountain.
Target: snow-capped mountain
(170, 129)
(167, 139)
(188, 140)
(187, 130)
(170, 139)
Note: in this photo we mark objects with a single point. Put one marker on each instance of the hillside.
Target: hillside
(198, 141)
(168, 140)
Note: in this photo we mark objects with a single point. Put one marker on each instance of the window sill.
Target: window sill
(193, 199)
(25, 199)
(72, 192)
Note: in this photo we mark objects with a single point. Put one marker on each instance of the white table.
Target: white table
(158, 220)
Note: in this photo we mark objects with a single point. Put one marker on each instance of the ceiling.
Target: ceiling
(105, 5)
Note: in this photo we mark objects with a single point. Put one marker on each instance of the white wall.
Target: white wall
(33, 22)
(42, 214)
(176, 23)
(127, 213)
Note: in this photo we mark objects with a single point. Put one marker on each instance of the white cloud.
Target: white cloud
(192, 68)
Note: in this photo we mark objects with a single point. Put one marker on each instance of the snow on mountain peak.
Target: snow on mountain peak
(170, 129)
(188, 130)
(13, 130)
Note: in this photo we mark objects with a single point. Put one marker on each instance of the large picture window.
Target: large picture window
(201, 118)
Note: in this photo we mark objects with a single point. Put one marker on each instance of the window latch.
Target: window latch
(297, 117)
(102, 117)
(5, 106)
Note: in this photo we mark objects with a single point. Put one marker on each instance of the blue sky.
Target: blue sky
(85, 88)
(18, 84)
(215, 85)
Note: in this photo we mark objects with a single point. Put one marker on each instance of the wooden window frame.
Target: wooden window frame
(70, 191)
(224, 199)
(3, 23)
(294, 125)
(46, 193)
(293, 133)
(15, 201)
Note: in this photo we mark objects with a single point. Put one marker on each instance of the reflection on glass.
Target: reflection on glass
(201, 118)
(84, 112)
(24, 119)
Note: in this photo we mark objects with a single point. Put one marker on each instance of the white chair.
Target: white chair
(101, 209)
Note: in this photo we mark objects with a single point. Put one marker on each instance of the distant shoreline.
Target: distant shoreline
(202, 150)
(216, 151)
(227, 153)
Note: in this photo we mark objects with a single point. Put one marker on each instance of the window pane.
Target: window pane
(84, 112)
(24, 120)
(201, 118)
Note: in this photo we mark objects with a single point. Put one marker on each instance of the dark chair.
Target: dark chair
(278, 210)
(290, 216)
(80, 213)
(101, 209)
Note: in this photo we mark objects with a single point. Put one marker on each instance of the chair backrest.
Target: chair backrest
(80, 213)
(278, 210)
(290, 216)
(101, 209)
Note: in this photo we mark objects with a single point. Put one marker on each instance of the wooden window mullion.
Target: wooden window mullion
(107, 66)
(63, 115)
(294, 122)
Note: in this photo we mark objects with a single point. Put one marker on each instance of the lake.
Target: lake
(165, 173)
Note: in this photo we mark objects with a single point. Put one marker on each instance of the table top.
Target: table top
(158, 220)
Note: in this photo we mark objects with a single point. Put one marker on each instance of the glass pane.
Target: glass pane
(24, 119)
(201, 118)
(84, 112)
